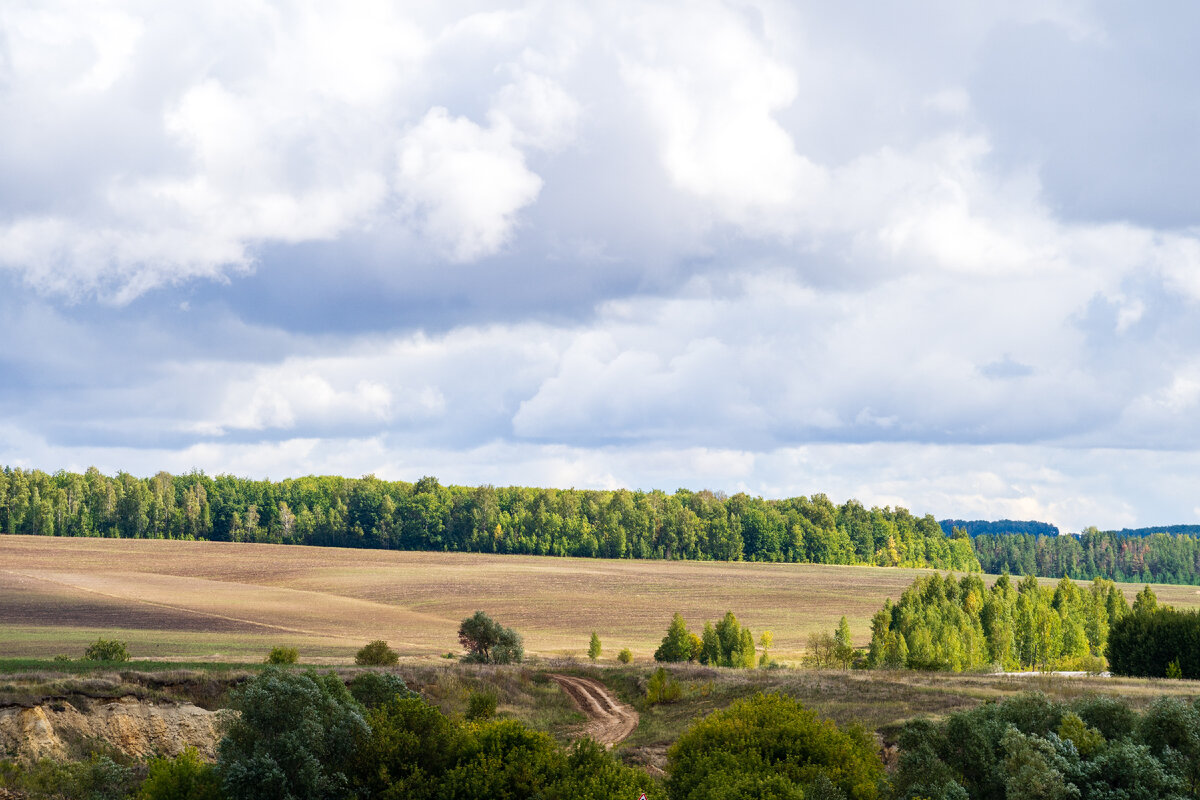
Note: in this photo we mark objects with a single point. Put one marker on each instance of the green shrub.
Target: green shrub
(62, 658)
(662, 688)
(376, 654)
(1173, 670)
(184, 777)
(98, 778)
(106, 650)
(373, 689)
(625, 656)
(481, 705)
(297, 735)
(770, 746)
(282, 655)
(594, 647)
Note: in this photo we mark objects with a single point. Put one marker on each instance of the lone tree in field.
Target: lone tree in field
(488, 642)
(594, 647)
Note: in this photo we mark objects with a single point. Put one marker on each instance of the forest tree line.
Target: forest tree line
(1156, 558)
(425, 515)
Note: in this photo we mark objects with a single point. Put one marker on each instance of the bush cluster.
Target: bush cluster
(726, 644)
(1031, 747)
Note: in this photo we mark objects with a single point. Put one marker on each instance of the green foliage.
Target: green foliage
(1028, 747)
(677, 644)
(98, 778)
(1087, 741)
(281, 656)
(185, 777)
(662, 688)
(411, 746)
(295, 737)
(1159, 557)
(625, 656)
(482, 705)
(424, 515)
(376, 654)
(594, 647)
(106, 650)
(843, 644)
(1174, 671)
(488, 642)
(416, 753)
(944, 623)
(372, 689)
(1147, 643)
(769, 746)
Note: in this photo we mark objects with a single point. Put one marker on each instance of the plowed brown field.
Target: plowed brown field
(190, 600)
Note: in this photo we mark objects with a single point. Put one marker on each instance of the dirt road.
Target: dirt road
(609, 720)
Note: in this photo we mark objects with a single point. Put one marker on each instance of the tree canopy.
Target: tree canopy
(489, 642)
(425, 515)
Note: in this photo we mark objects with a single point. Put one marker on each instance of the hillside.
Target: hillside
(234, 601)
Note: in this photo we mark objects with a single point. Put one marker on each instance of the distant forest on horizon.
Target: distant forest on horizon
(425, 515)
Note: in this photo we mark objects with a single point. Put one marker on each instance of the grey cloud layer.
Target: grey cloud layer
(305, 237)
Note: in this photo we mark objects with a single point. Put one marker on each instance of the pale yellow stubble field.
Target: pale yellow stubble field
(227, 601)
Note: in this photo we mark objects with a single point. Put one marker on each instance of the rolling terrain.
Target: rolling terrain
(228, 601)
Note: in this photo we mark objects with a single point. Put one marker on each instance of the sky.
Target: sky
(943, 255)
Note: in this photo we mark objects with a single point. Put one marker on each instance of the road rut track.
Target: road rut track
(609, 720)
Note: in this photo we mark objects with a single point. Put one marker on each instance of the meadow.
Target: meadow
(231, 602)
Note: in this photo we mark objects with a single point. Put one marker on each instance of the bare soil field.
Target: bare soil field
(229, 601)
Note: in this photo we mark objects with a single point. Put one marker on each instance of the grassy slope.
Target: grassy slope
(231, 602)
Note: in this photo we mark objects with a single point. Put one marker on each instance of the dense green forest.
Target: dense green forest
(368, 512)
(1162, 642)
(1156, 558)
(977, 527)
(960, 624)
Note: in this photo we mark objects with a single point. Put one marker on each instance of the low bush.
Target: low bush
(98, 778)
(625, 656)
(481, 705)
(185, 777)
(771, 746)
(282, 655)
(662, 688)
(376, 654)
(106, 650)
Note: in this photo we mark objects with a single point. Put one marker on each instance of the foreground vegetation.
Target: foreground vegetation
(757, 737)
(425, 515)
(307, 735)
(1031, 747)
